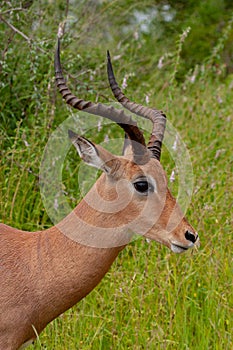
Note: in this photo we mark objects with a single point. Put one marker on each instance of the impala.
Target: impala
(45, 273)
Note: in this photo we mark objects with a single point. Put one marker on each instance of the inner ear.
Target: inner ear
(94, 155)
(86, 149)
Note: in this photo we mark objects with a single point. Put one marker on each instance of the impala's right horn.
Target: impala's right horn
(157, 117)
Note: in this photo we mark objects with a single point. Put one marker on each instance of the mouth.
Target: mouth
(176, 248)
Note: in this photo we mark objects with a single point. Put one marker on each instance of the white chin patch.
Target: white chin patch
(177, 249)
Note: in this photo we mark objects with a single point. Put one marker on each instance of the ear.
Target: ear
(93, 155)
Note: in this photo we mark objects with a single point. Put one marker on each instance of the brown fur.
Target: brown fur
(45, 273)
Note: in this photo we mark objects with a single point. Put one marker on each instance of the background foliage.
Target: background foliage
(176, 55)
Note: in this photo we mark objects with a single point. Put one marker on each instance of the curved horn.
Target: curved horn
(157, 117)
(140, 152)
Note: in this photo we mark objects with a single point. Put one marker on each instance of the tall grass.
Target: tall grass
(151, 298)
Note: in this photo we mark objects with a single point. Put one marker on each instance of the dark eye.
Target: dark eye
(143, 186)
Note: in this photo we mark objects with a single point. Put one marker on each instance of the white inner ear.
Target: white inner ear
(88, 152)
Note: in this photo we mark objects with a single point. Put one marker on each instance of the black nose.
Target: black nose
(190, 236)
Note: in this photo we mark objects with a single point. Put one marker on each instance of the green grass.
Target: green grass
(151, 298)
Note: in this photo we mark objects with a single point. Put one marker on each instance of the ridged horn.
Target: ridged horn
(140, 153)
(157, 117)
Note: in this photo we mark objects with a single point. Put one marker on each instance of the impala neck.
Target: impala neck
(68, 271)
(72, 258)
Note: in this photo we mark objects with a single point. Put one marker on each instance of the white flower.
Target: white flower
(99, 126)
(106, 139)
(124, 84)
(160, 64)
(174, 147)
(56, 205)
(172, 177)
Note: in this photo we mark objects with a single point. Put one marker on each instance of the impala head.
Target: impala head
(133, 188)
